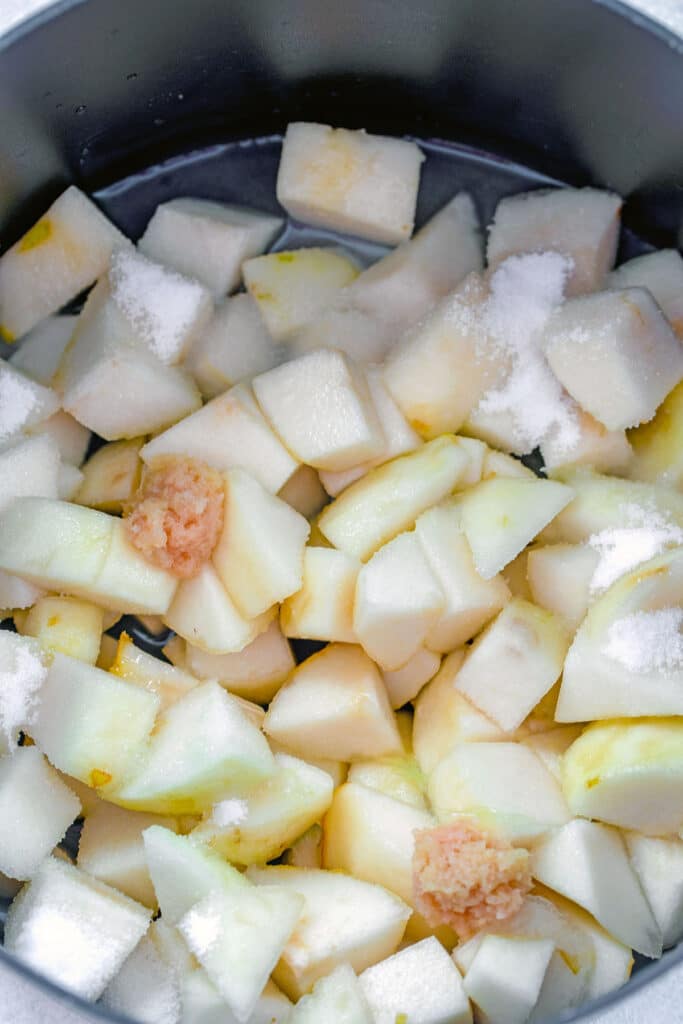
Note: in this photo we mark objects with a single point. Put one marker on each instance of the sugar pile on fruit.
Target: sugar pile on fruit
(467, 804)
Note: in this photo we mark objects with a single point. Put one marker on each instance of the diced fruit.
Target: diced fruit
(111, 476)
(259, 555)
(444, 718)
(514, 663)
(500, 464)
(559, 579)
(228, 432)
(420, 984)
(336, 997)
(25, 403)
(582, 223)
(304, 492)
(506, 977)
(256, 672)
(659, 866)
(624, 659)
(470, 600)
(36, 808)
(628, 773)
(204, 748)
(91, 724)
(389, 499)
(208, 240)
(63, 253)
(606, 451)
(397, 775)
(69, 479)
(323, 608)
(503, 784)
(237, 933)
(292, 288)
(658, 453)
(550, 746)
(262, 825)
(662, 274)
(344, 920)
(16, 593)
(147, 988)
(29, 467)
(203, 613)
(321, 408)
(111, 848)
(137, 666)
(70, 436)
(404, 684)
(587, 863)
(40, 351)
(67, 625)
(73, 929)
(369, 835)
(23, 671)
(349, 181)
(334, 705)
(616, 354)
(347, 329)
(201, 1003)
(114, 384)
(398, 600)
(235, 346)
(306, 851)
(441, 368)
(514, 575)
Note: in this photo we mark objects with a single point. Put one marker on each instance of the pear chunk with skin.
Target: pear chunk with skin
(559, 577)
(628, 773)
(334, 705)
(344, 920)
(350, 181)
(259, 554)
(321, 408)
(661, 273)
(68, 625)
(587, 863)
(470, 600)
(420, 983)
(337, 997)
(111, 476)
(625, 658)
(501, 783)
(606, 451)
(514, 663)
(226, 433)
(658, 453)
(29, 467)
(256, 672)
(500, 517)
(262, 825)
(505, 978)
(397, 776)
(398, 600)
(292, 288)
(389, 498)
(581, 223)
(323, 608)
(137, 666)
(204, 748)
(659, 866)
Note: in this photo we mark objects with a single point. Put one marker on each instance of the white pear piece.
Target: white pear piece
(147, 988)
(501, 464)
(24, 402)
(551, 745)
(16, 593)
(202, 1003)
(29, 467)
(322, 609)
(256, 672)
(304, 492)
(111, 476)
(68, 625)
(41, 349)
(70, 436)
(506, 976)
(659, 866)
(605, 451)
(137, 666)
(405, 683)
(337, 997)
(559, 578)
(661, 273)
(23, 671)
(397, 776)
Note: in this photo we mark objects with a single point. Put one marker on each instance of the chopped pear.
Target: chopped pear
(29, 468)
(658, 452)
(17, 594)
(204, 748)
(67, 625)
(334, 705)
(398, 600)
(499, 517)
(259, 554)
(42, 348)
(137, 666)
(628, 773)
(25, 403)
(323, 608)
(501, 783)
(306, 851)
(63, 253)
(506, 977)
(256, 672)
(623, 661)
(69, 479)
(616, 355)
(128, 582)
(344, 920)
(471, 601)
(397, 775)
(606, 451)
(405, 683)
(304, 492)
(587, 863)
(147, 987)
(389, 498)
(515, 573)
(208, 240)
(230, 431)
(500, 464)
(514, 663)
(261, 826)
(659, 866)
(111, 476)
(337, 997)
(292, 288)
(70, 436)
(662, 274)
(581, 223)
(550, 746)
(560, 577)
(350, 181)
(202, 1003)
(444, 718)
(320, 406)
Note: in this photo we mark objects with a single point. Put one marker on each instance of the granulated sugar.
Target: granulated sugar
(647, 641)
(17, 401)
(229, 812)
(162, 306)
(202, 928)
(22, 673)
(647, 533)
(524, 292)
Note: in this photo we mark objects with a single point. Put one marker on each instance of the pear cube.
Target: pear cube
(506, 976)
(256, 672)
(16, 593)
(23, 671)
(323, 608)
(304, 492)
(560, 577)
(111, 476)
(661, 273)
(202, 1003)
(658, 453)
(69, 479)
(70, 436)
(67, 625)
(551, 746)
(337, 997)
(658, 864)
(24, 402)
(606, 451)
(397, 776)
(405, 683)
(146, 989)
(375, 194)
(207, 240)
(41, 350)
(29, 467)
(334, 705)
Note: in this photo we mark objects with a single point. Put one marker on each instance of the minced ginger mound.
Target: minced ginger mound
(467, 877)
(176, 517)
